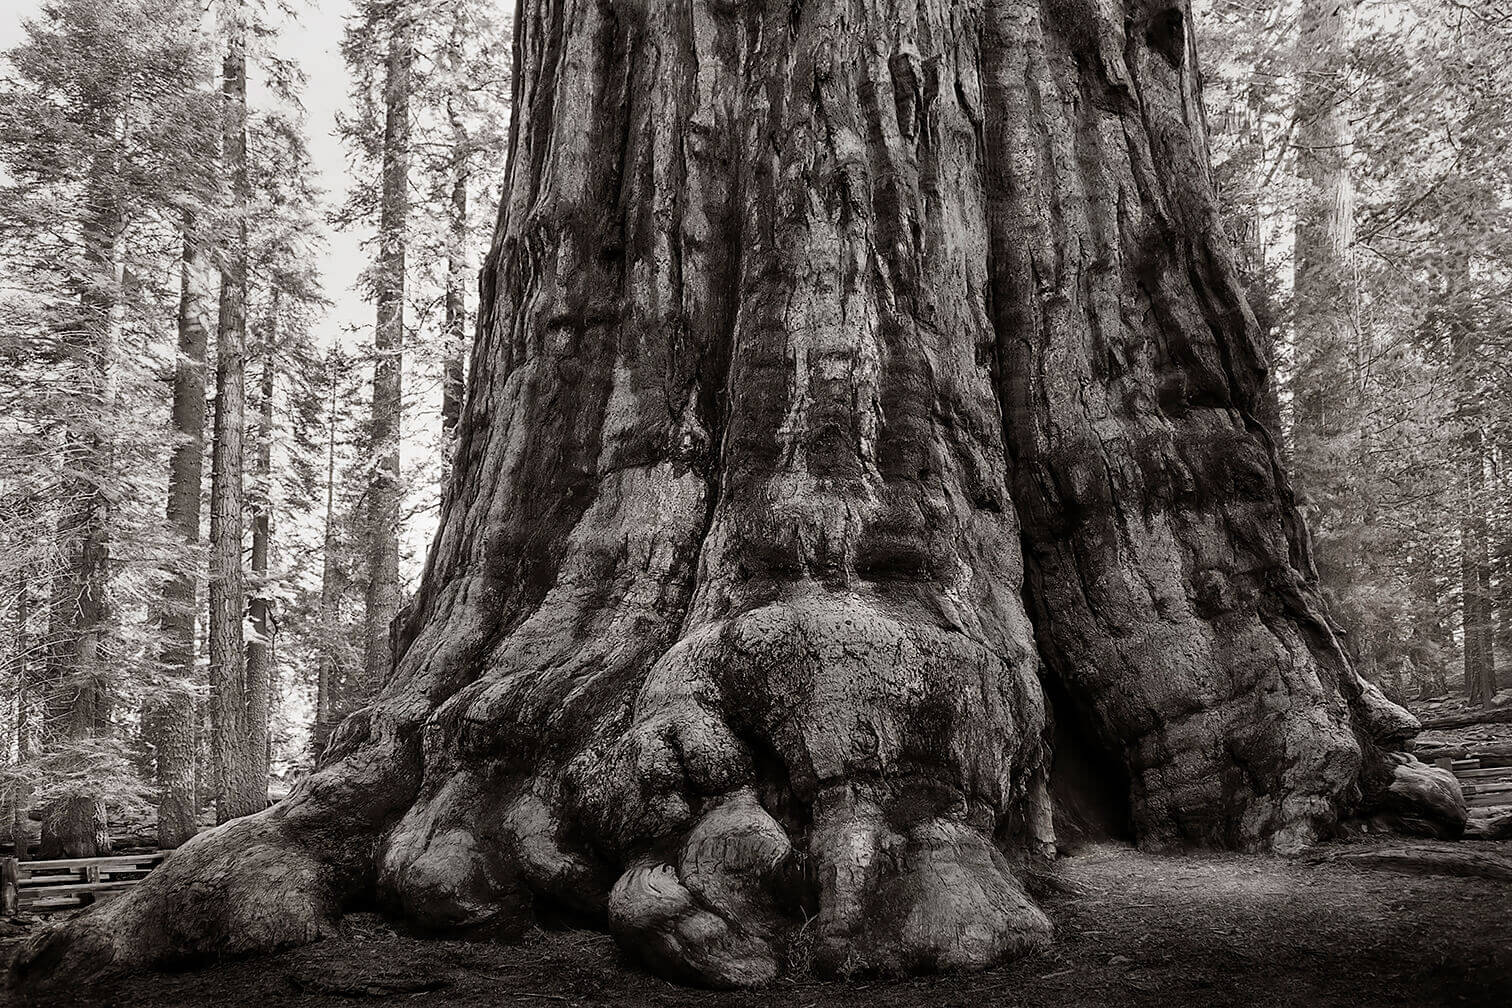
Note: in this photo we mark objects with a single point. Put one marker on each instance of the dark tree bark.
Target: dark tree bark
(384, 498)
(454, 326)
(238, 790)
(327, 677)
(1475, 571)
(171, 719)
(1477, 618)
(29, 683)
(455, 322)
(260, 651)
(799, 321)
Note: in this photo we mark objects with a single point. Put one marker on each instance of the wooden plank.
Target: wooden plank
(1488, 801)
(1486, 773)
(85, 862)
(41, 892)
(100, 876)
(8, 881)
(70, 902)
(50, 871)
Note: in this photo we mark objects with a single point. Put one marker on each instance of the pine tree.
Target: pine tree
(92, 149)
(238, 788)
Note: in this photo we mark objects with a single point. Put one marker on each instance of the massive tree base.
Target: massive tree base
(859, 477)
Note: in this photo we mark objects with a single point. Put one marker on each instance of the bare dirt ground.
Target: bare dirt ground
(1133, 930)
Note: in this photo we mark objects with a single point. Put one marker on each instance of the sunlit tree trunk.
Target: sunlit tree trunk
(327, 702)
(238, 789)
(260, 649)
(384, 500)
(1324, 287)
(1324, 403)
(454, 326)
(1477, 617)
(171, 715)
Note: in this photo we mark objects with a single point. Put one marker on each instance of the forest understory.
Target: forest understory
(1133, 929)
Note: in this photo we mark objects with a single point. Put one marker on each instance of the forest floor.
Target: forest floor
(1133, 929)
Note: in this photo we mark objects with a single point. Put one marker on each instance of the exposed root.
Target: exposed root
(244, 888)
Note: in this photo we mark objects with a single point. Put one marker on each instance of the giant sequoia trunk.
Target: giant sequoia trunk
(851, 378)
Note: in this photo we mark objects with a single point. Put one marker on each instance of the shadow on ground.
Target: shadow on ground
(1133, 929)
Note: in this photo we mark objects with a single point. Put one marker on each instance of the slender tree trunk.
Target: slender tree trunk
(172, 716)
(28, 691)
(238, 791)
(1324, 399)
(384, 499)
(1248, 225)
(1477, 617)
(455, 325)
(260, 649)
(1498, 539)
(853, 382)
(327, 702)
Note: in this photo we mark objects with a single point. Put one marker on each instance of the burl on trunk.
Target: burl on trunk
(851, 378)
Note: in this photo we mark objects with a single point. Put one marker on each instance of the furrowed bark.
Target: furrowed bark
(1477, 616)
(801, 326)
(326, 698)
(260, 651)
(172, 717)
(238, 790)
(384, 491)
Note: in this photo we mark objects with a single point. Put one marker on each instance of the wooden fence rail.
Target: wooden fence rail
(1484, 786)
(56, 885)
